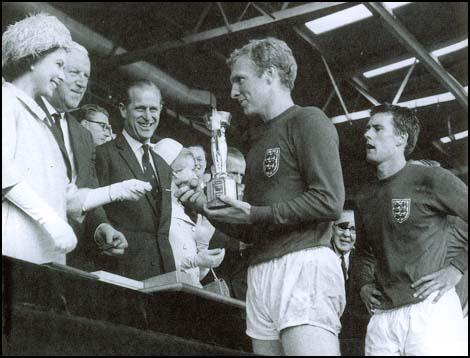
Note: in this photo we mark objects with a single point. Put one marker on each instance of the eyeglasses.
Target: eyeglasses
(345, 226)
(103, 126)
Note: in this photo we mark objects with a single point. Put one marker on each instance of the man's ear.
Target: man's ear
(270, 74)
(123, 110)
(402, 140)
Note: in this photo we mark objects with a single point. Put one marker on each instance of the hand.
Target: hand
(370, 295)
(209, 258)
(192, 197)
(238, 212)
(203, 232)
(132, 189)
(442, 281)
(110, 241)
(62, 234)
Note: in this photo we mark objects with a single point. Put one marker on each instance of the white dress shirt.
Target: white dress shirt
(138, 150)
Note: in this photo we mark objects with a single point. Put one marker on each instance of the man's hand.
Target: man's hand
(370, 295)
(193, 197)
(237, 213)
(110, 241)
(442, 281)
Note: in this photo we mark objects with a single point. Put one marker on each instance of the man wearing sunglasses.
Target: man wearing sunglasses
(96, 120)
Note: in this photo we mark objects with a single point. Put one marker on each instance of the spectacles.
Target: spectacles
(103, 126)
(345, 226)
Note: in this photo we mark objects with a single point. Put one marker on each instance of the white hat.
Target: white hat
(168, 149)
(33, 35)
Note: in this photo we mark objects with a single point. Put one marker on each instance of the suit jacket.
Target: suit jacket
(146, 222)
(81, 141)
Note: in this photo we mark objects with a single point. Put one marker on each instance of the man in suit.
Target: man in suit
(145, 222)
(78, 151)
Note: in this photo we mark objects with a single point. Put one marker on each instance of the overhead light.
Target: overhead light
(456, 136)
(345, 17)
(338, 19)
(415, 103)
(449, 49)
(408, 62)
(389, 68)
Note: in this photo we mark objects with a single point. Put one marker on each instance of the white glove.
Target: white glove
(203, 232)
(25, 198)
(209, 258)
(132, 189)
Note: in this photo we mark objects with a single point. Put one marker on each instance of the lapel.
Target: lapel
(125, 151)
(77, 142)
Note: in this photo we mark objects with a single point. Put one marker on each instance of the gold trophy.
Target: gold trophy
(220, 184)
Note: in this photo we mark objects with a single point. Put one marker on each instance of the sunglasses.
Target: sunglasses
(345, 226)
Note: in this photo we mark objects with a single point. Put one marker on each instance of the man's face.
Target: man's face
(70, 92)
(201, 162)
(382, 141)
(248, 88)
(48, 73)
(344, 232)
(142, 113)
(98, 125)
(236, 169)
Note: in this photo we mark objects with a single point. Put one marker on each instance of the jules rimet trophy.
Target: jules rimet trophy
(221, 183)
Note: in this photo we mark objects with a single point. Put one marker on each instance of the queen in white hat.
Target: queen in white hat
(33, 172)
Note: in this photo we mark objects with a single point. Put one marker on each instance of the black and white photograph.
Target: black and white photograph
(235, 178)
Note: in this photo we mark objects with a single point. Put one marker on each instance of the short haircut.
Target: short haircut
(75, 46)
(405, 122)
(234, 153)
(267, 53)
(89, 109)
(199, 146)
(138, 84)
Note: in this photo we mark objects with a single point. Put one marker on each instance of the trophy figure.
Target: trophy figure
(220, 184)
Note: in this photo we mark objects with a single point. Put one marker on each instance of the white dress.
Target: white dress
(30, 154)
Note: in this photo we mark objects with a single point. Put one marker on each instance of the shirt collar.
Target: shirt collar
(26, 99)
(134, 143)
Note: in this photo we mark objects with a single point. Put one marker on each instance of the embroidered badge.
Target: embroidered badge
(401, 209)
(271, 161)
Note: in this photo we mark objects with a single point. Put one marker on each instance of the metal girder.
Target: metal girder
(410, 42)
(358, 85)
(227, 23)
(203, 16)
(403, 84)
(290, 13)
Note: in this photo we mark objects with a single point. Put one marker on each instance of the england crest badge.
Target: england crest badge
(271, 161)
(401, 209)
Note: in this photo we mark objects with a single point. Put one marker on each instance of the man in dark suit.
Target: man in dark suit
(78, 151)
(145, 222)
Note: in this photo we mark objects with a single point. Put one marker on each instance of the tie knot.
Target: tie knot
(145, 147)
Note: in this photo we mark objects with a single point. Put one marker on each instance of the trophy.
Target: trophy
(220, 184)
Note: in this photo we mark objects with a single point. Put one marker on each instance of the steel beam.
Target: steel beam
(363, 91)
(410, 42)
(290, 13)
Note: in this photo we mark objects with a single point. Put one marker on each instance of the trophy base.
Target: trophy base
(217, 187)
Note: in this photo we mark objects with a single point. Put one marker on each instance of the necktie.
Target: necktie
(344, 268)
(60, 138)
(148, 171)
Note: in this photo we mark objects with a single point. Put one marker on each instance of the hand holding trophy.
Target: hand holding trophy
(220, 184)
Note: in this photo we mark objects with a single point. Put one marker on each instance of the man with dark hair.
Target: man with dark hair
(145, 222)
(293, 191)
(400, 267)
(96, 119)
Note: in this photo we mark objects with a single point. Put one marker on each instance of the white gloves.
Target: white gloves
(209, 258)
(25, 198)
(132, 189)
(203, 232)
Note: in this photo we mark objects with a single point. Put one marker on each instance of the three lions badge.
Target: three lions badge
(401, 209)
(271, 161)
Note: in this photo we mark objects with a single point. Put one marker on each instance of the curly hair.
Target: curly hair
(267, 53)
